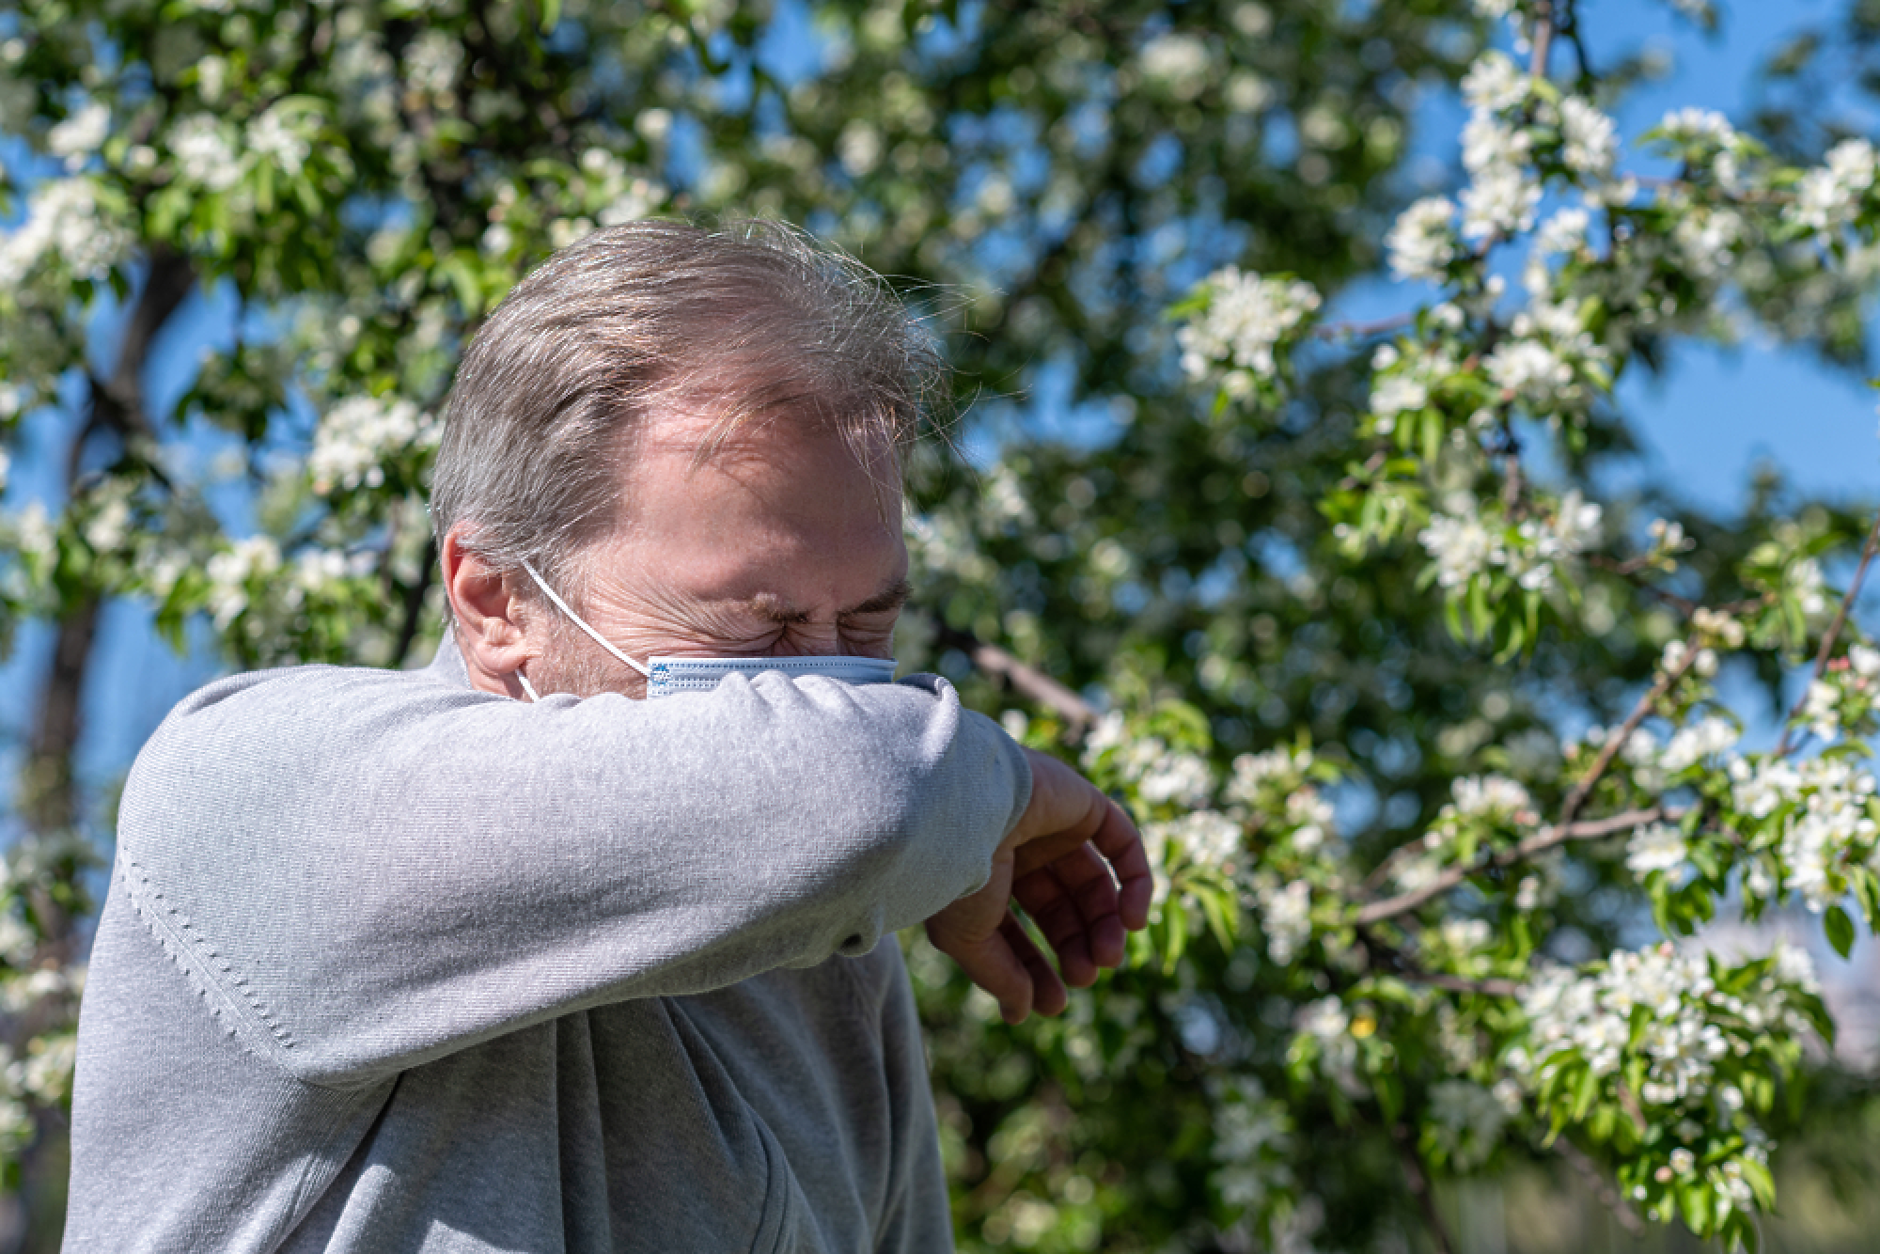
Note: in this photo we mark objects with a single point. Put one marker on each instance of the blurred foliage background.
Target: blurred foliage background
(352, 185)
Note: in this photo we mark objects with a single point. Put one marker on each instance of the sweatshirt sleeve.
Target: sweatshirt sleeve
(368, 870)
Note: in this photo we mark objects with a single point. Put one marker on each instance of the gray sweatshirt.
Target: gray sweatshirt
(391, 964)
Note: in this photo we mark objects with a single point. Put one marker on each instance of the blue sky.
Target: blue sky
(1715, 414)
(1706, 422)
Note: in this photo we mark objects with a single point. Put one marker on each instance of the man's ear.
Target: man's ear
(492, 621)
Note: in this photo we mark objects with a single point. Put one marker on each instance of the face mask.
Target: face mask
(667, 675)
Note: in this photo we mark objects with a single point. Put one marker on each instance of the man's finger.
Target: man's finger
(1117, 839)
(1074, 903)
(1047, 994)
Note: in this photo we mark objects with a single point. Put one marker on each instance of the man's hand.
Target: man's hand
(1076, 864)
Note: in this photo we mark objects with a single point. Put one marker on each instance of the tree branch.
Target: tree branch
(48, 800)
(414, 603)
(1418, 1181)
(1392, 962)
(1540, 842)
(1027, 680)
(1597, 1181)
(1363, 330)
(1543, 37)
(1615, 742)
(1828, 638)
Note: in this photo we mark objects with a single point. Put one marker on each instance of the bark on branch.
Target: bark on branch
(1540, 842)
(48, 799)
(1830, 636)
(1077, 713)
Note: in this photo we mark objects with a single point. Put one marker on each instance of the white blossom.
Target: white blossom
(18, 942)
(1208, 837)
(1829, 196)
(1488, 143)
(272, 138)
(1178, 62)
(1727, 628)
(432, 62)
(63, 220)
(1252, 1142)
(80, 135)
(46, 1073)
(1808, 586)
(1311, 817)
(359, 434)
(1564, 232)
(1821, 707)
(1177, 778)
(229, 572)
(1659, 847)
(1492, 797)
(1462, 547)
(1495, 83)
(1591, 1013)
(1324, 1020)
(1393, 395)
(1528, 369)
(1828, 825)
(1286, 918)
(1691, 745)
(1247, 316)
(109, 525)
(1499, 201)
(1693, 125)
(1591, 140)
(34, 534)
(203, 152)
(1423, 239)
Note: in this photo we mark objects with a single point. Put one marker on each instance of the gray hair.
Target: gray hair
(752, 319)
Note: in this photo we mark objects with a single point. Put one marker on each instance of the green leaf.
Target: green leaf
(1221, 907)
(1840, 930)
(1388, 1086)
(1760, 1181)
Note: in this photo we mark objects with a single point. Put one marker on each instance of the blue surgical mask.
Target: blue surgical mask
(667, 675)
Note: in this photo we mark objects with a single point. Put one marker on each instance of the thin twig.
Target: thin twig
(1563, 829)
(1418, 1181)
(1543, 38)
(1597, 1181)
(1380, 874)
(1615, 742)
(1460, 984)
(1827, 640)
(1511, 486)
(1540, 842)
(1372, 464)
(1393, 963)
(1363, 330)
(1027, 680)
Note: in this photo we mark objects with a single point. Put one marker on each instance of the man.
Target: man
(493, 957)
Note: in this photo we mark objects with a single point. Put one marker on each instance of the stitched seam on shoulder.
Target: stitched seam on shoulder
(207, 970)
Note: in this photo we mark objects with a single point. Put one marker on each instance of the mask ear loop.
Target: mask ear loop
(577, 621)
(527, 686)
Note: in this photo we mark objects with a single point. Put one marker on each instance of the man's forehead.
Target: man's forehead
(681, 449)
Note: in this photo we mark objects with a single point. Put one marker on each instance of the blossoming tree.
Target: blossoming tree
(1245, 562)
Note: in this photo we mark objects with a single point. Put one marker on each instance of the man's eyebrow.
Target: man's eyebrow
(777, 610)
(892, 597)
